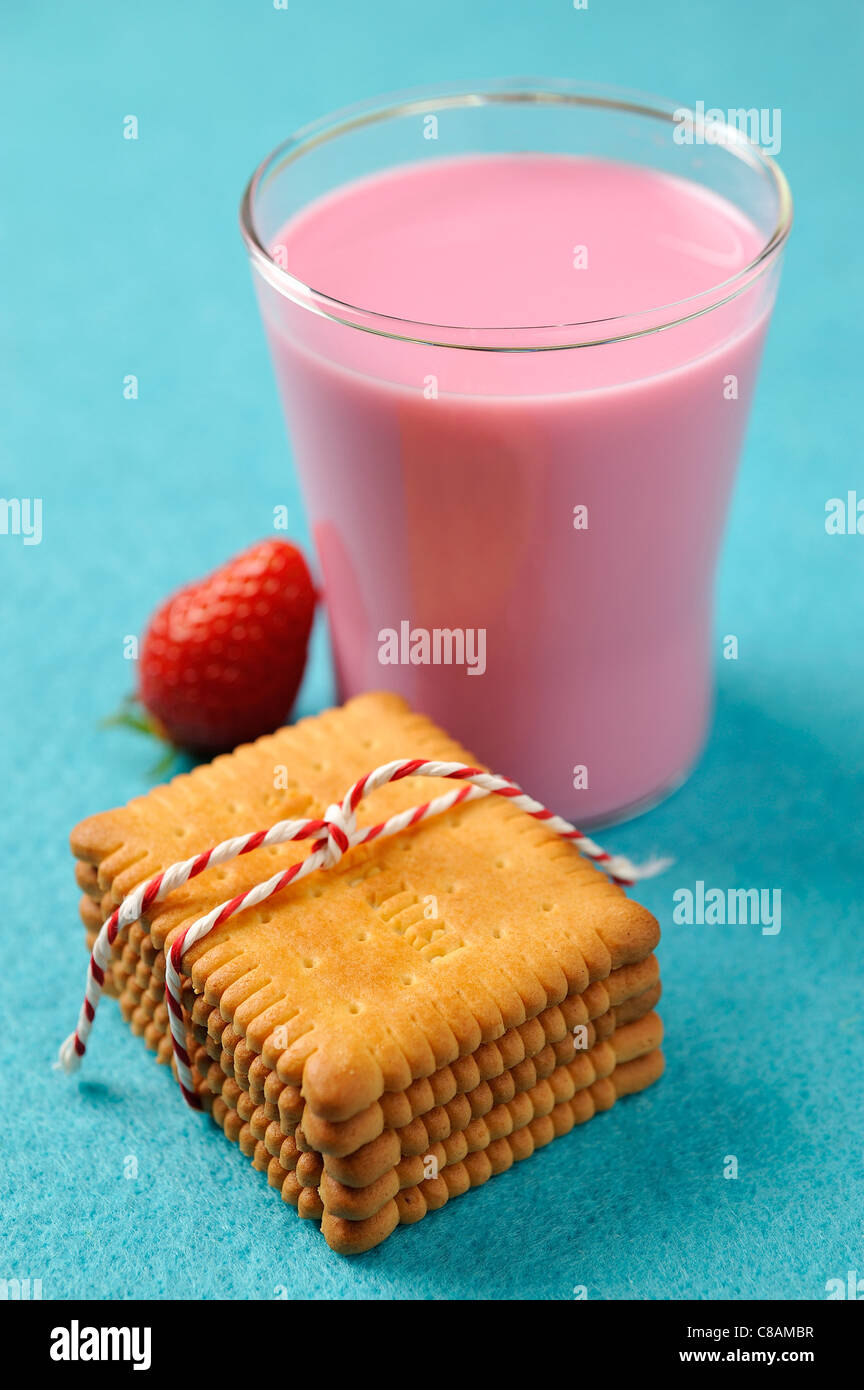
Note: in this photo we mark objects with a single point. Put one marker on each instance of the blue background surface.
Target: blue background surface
(122, 257)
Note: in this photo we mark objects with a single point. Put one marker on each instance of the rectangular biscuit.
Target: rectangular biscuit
(377, 1181)
(369, 1163)
(403, 1201)
(495, 1062)
(342, 1008)
(345, 987)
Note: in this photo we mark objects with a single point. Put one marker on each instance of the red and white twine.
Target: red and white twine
(336, 832)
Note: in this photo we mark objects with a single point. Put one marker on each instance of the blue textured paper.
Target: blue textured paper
(124, 257)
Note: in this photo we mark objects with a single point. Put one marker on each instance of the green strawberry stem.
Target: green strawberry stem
(132, 715)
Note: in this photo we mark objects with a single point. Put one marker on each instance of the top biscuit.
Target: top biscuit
(412, 951)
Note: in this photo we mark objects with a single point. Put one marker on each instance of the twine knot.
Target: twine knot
(341, 823)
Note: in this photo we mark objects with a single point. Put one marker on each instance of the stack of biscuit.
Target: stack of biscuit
(383, 1035)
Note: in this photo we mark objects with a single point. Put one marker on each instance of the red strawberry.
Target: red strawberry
(222, 660)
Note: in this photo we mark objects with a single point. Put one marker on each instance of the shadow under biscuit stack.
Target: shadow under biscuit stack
(385, 1034)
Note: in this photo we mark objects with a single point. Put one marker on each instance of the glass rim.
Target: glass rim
(431, 99)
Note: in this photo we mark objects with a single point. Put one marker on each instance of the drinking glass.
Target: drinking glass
(443, 466)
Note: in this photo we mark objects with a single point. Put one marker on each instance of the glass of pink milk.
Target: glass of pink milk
(516, 330)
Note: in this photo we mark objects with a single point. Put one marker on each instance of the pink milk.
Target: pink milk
(563, 507)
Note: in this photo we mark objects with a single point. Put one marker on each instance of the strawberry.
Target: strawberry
(222, 659)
